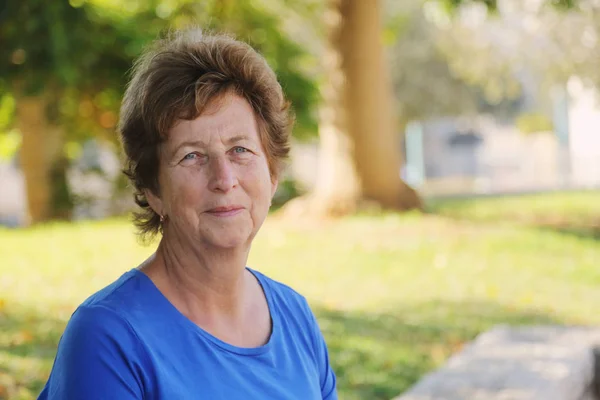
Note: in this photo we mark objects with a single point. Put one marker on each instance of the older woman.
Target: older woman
(204, 126)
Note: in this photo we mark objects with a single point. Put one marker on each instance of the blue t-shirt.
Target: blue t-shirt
(128, 341)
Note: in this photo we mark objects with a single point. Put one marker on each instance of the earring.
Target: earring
(162, 219)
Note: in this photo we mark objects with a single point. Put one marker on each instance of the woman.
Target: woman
(204, 126)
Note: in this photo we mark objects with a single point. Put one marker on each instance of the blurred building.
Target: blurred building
(482, 155)
(479, 155)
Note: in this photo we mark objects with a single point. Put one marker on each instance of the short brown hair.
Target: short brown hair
(177, 78)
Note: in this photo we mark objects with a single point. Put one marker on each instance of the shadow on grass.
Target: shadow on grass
(378, 356)
(28, 342)
(579, 224)
(592, 231)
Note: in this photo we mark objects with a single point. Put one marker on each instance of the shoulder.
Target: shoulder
(99, 355)
(117, 296)
(107, 316)
(91, 325)
(101, 330)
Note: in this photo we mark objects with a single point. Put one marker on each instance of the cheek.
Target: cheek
(184, 190)
(259, 180)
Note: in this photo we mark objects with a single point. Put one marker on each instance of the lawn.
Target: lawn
(395, 294)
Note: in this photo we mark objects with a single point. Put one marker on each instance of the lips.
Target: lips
(225, 211)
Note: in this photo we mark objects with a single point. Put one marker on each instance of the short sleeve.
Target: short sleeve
(326, 374)
(99, 357)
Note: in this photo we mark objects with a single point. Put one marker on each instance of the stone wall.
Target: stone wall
(518, 363)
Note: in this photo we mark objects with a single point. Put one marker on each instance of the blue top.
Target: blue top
(128, 341)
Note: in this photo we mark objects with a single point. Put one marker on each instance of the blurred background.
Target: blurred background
(445, 169)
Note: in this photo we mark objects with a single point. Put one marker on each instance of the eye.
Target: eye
(240, 150)
(190, 156)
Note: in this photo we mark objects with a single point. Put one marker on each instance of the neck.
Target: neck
(203, 283)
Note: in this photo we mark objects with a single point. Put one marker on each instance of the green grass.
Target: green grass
(395, 294)
(575, 212)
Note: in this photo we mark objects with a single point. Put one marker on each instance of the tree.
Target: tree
(66, 62)
(52, 54)
(360, 143)
(424, 84)
(360, 135)
(545, 42)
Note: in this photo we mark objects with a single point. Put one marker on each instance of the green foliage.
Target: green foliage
(10, 139)
(70, 54)
(79, 52)
(534, 122)
(451, 5)
(7, 110)
(286, 191)
(424, 83)
(492, 5)
(565, 4)
(72, 150)
(10, 142)
(476, 48)
(52, 45)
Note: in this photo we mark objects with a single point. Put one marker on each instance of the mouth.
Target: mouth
(226, 211)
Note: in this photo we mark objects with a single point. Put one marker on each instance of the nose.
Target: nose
(223, 176)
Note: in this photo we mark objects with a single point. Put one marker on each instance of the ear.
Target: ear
(154, 201)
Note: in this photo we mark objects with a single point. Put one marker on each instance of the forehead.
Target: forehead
(225, 116)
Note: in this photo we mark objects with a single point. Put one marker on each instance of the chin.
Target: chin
(229, 240)
(228, 245)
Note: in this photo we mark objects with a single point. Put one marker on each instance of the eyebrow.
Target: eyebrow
(188, 143)
(237, 138)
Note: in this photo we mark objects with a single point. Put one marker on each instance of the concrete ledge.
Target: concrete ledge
(518, 363)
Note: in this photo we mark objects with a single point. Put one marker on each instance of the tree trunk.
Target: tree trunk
(40, 151)
(370, 105)
(360, 142)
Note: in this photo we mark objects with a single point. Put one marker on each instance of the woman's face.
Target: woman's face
(215, 185)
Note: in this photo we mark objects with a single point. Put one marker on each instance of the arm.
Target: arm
(99, 357)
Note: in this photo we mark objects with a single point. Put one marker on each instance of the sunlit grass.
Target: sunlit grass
(395, 295)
